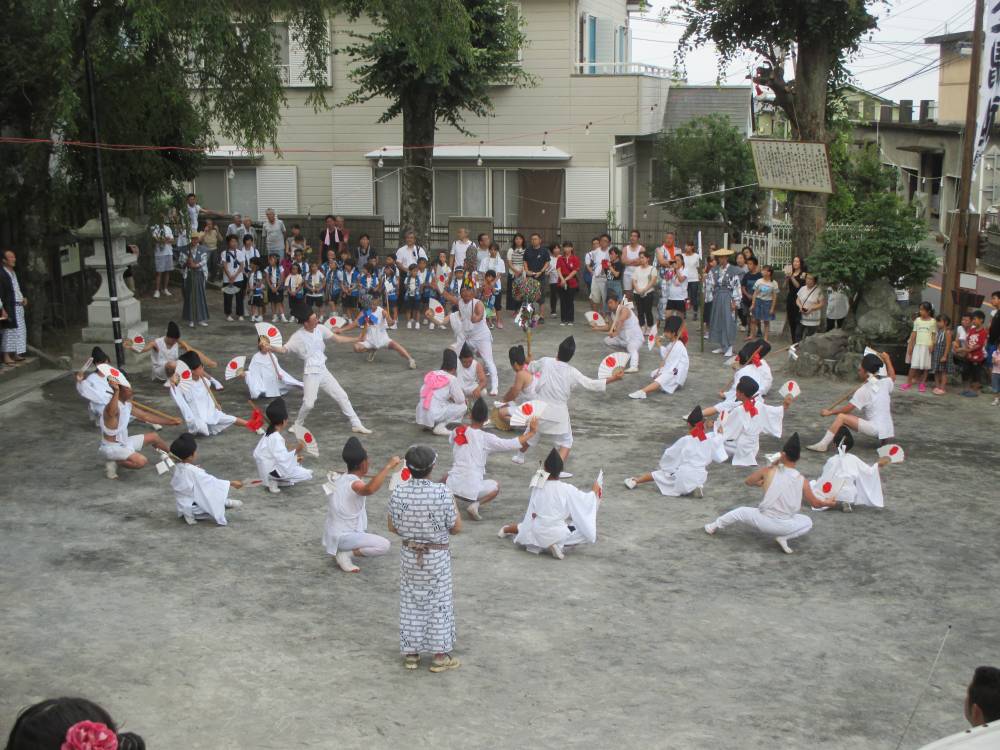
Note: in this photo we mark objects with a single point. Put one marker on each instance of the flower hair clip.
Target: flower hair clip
(90, 735)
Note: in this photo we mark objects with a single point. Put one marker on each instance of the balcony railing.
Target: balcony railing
(621, 69)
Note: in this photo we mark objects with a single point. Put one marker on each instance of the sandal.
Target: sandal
(411, 661)
(939, 391)
(443, 663)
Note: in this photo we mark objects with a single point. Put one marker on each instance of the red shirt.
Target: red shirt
(976, 343)
(566, 265)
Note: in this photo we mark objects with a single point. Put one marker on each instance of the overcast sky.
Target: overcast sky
(894, 52)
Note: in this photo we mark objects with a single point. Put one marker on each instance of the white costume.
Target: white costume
(198, 408)
(683, 465)
(740, 431)
(198, 494)
(377, 333)
(468, 377)
(554, 388)
(311, 347)
(441, 400)
(873, 401)
(466, 478)
(760, 375)
(672, 374)
(628, 335)
(552, 509)
(778, 513)
(95, 389)
(124, 445)
(862, 483)
(266, 379)
(478, 336)
(347, 520)
(160, 355)
(275, 462)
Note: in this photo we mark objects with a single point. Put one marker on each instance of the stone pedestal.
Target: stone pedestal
(98, 330)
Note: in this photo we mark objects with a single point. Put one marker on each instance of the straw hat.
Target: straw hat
(722, 251)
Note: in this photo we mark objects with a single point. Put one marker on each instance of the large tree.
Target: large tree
(434, 61)
(171, 75)
(703, 156)
(818, 35)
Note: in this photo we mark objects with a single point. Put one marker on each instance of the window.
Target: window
(458, 192)
(387, 194)
(243, 192)
(218, 191)
(505, 197)
(518, 13)
(211, 189)
(281, 53)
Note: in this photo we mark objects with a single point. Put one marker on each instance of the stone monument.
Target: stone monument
(99, 330)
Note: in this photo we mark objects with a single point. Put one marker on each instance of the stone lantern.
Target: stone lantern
(99, 330)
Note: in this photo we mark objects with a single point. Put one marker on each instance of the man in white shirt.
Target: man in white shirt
(597, 260)
(692, 272)
(483, 249)
(236, 228)
(309, 343)
(458, 248)
(163, 257)
(274, 234)
(193, 211)
(409, 254)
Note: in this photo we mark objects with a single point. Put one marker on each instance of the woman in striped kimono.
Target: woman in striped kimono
(423, 513)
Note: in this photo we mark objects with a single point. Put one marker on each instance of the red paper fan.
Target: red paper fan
(272, 331)
(405, 475)
(610, 361)
(827, 486)
(527, 409)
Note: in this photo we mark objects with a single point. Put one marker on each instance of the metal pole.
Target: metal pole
(954, 262)
(109, 258)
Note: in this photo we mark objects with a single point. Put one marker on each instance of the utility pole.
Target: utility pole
(956, 259)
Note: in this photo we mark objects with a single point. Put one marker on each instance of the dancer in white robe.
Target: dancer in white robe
(117, 447)
(554, 388)
(558, 515)
(264, 377)
(276, 464)
(623, 331)
(474, 331)
(374, 325)
(471, 374)
(345, 532)
(739, 429)
(94, 388)
(309, 343)
(165, 350)
(683, 465)
(197, 493)
(196, 403)
(673, 370)
(749, 362)
(522, 389)
(778, 513)
(873, 399)
(471, 447)
(441, 399)
(861, 482)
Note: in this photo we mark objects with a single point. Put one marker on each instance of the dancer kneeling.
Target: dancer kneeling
(472, 446)
(374, 326)
(748, 363)
(873, 398)
(471, 374)
(683, 465)
(347, 516)
(441, 398)
(739, 429)
(623, 331)
(861, 484)
(276, 464)
(778, 513)
(196, 402)
(118, 448)
(197, 493)
(558, 515)
(672, 373)
(523, 388)
(264, 377)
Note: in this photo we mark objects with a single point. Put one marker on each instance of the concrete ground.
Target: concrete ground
(658, 636)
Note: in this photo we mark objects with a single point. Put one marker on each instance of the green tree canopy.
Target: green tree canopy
(703, 155)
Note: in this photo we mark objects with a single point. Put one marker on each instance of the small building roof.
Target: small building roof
(493, 153)
(686, 103)
(958, 36)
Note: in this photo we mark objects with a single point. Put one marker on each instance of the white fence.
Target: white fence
(774, 248)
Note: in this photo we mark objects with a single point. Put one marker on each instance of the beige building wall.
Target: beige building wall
(953, 84)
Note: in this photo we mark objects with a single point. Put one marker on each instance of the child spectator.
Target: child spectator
(441, 272)
(616, 269)
(275, 289)
(763, 302)
(554, 252)
(411, 297)
(995, 377)
(974, 352)
(490, 297)
(315, 289)
(390, 291)
(837, 307)
(255, 291)
(918, 348)
(943, 366)
(295, 286)
(426, 278)
(349, 286)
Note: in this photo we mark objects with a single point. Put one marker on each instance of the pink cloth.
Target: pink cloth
(432, 382)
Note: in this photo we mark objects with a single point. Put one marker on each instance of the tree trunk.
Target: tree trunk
(417, 183)
(812, 70)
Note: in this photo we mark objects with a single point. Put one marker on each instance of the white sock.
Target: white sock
(827, 439)
(343, 558)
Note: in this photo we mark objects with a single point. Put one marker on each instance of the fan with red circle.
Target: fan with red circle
(437, 311)
(828, 489)
(138, 343)
(183, 374)
(113, 374)
(403, 475)
(521, 414)
(235, 367)
(612, 362)
(270, 330)
(336, 322)
(595, 319)
(893, 452)
(312, 447)
(791, 388)
(650, 341)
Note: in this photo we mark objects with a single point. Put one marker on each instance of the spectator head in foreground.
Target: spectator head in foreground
(69, 724)
(982, 699)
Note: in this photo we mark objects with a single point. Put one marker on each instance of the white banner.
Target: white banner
(989, 80)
